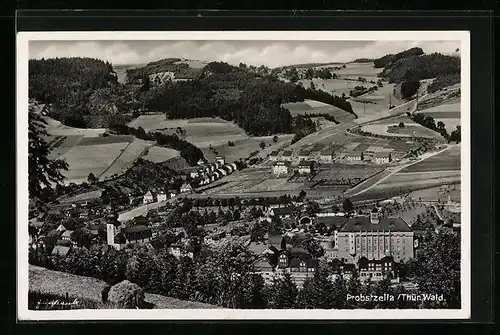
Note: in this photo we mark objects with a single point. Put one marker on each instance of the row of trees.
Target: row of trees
(428, 122)
(225, 277)
(188, 151)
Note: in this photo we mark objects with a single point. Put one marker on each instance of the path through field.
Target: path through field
(377, 179)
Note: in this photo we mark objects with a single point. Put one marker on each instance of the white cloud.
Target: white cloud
(268, 53)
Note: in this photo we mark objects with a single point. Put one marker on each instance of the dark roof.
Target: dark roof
(63, 243)
(310, 263)
(135, 229)
(262, 263)
(274, 153)
(303, 163)
(304, 153)
(382, 154)
(283, 210)
(363, 261)
(331, 221)
(120, 238)
(362, 223)
(287, 153)
(339, 265)
(157, 243)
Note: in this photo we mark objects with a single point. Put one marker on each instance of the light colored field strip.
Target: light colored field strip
(397, 169)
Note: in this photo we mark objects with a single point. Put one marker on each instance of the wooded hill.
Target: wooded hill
(250, 99)
(78, 88)
(181, 70)
(412, 65)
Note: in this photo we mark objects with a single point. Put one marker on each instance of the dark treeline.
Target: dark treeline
(69, 84)
(188, 151)
(429, 122)
(252, 100)
(181, 70)
(443, 81)
(415, 68)
(387, 60)
(226, 277)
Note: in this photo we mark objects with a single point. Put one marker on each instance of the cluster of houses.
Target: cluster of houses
(207, 173)
(370, 244)
(282, 168)
(368, 156)
(153, 196)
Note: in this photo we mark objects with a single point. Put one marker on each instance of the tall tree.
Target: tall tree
(43, 171)
(282, 293)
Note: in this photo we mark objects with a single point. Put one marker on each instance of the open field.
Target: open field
(448, 113)
(438, 193)
(81, 197)
(317, 107)
(408, 131)
(243, 148)
(194, 64)
(56, 128)
(127, 158)
(355, 70)
(447, 160)
(345, 173)
(95, 159)
(160, 154)
(201, 132)
(107, 140)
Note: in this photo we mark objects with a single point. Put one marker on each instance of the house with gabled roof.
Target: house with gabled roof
(149, 197)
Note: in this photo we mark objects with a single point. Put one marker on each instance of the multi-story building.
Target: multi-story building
(280, 168)
(305, 167)
(273, 156)
(382, 158)
(354, 156)
(287, 156)
(374, 238)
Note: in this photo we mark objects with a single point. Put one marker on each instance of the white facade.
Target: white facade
(280, 169)
(161, 197)
(148, 198)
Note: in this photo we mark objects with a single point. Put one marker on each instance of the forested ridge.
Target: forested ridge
(411, 66)
(181, 70)
(252, 100)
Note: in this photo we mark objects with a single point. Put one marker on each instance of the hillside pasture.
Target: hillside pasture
(316, 107)
(445, 161)
(243, 148)
(160, 154)
(202, 132)
(448, 113)
(83, 160)
(127, 158)
(106, 140)
(56, 128)
(409, 131)
(194, 64)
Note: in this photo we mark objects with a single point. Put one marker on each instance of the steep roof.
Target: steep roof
(310, 263)
(60, 250)
(283, 210)
(362, 223)
(331, 221)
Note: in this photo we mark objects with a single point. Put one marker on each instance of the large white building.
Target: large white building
(374, 237)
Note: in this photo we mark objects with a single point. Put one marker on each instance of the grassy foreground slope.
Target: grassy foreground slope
(58, 283)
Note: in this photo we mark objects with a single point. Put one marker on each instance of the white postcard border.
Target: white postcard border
(24, 314)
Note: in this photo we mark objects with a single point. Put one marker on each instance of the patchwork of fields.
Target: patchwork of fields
(202, 132)
(448, 113)
(448, 160)
(160, 154)
(317, 107)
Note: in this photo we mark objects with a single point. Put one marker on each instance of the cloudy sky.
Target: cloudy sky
(269, 53)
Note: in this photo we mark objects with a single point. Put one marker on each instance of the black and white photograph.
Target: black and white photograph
(243, 175)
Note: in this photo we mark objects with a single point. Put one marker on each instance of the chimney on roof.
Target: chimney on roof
(374, 216)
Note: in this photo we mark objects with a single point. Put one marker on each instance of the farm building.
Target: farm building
(326, 155)
(375, 237)
(229, 168)
(161, 196)
(220, 159)
(222, 172)
(273, 156)
(186, 188)
(287, 156)
(303, 155)
(172, 193)
(282, 212)
(369, 155)
(305, 167)
(354, 156)
(281, 168)
(382, 158)
(149, 197)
